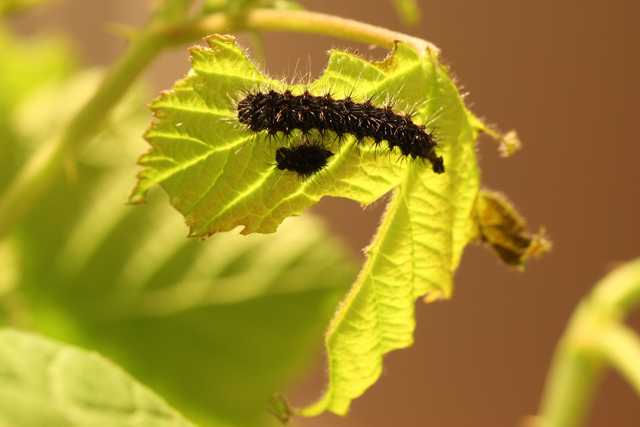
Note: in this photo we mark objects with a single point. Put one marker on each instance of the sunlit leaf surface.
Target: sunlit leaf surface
(219, 176)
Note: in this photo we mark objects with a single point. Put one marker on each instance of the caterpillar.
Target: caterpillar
(276, 112)
(305, 159)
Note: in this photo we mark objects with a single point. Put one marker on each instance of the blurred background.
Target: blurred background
(565, 76)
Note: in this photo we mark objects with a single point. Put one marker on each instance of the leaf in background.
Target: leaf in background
(25, 68)
(45, 383)
(215, 327)
(220, 177)
(199, 149)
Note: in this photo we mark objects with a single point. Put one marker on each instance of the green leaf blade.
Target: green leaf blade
(416, 251)
(240, 186)
(426, 226)
(416, 254)
(47, 383)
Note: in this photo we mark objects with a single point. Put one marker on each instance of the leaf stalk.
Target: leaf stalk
(299, 22)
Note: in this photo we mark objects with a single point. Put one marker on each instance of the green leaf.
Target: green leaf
(215, 327)
(27, 66)
(220, 177)
(199, 148)
(45, 383)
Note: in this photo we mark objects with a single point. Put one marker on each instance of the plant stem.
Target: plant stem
(619, 291)
(594, 337)
(300, 22)
(620, 346)
(573, 375)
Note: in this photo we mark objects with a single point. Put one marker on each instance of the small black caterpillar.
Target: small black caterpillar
(275, 112)
(305, 159)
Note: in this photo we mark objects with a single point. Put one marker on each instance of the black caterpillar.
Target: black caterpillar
(275, 112)
(305, 159)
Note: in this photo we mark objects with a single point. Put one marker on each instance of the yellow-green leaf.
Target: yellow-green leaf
(220, 176)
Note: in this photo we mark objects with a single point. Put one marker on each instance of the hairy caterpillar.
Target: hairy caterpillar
(305, 159)
(276, 112)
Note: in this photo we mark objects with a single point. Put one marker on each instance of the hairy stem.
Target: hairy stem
(299, 22)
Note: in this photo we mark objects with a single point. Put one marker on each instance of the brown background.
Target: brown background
(566, 76)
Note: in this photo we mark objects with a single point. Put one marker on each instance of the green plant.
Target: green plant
(216, 327)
